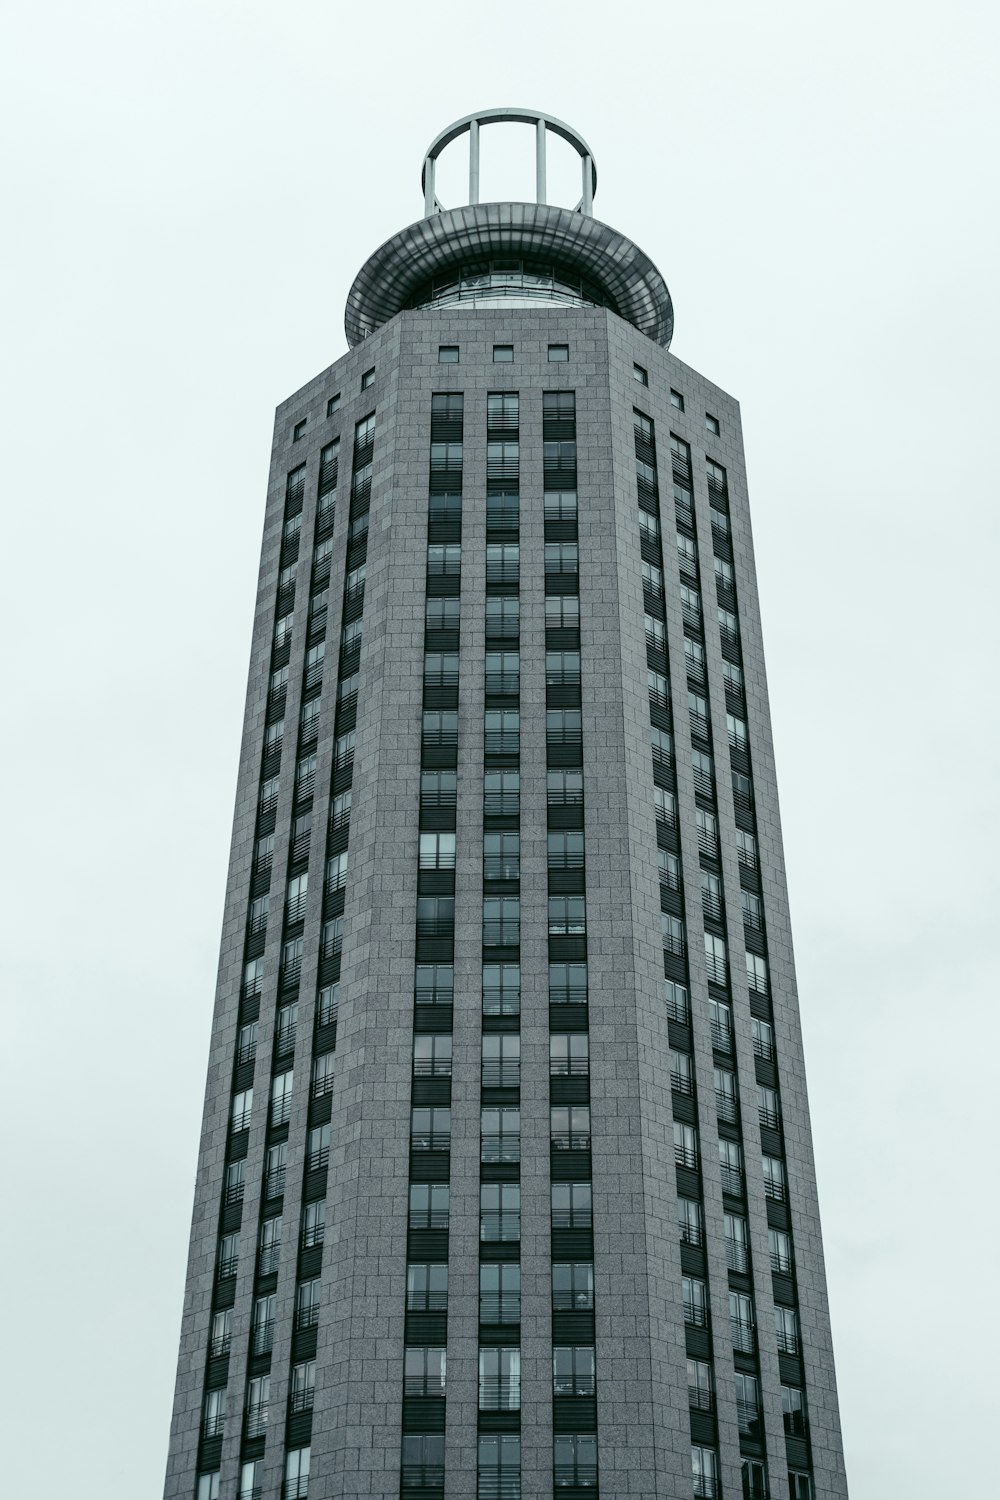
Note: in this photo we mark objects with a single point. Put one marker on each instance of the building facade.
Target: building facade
(506, 1186)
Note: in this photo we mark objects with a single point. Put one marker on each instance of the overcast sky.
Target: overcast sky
(189, 190)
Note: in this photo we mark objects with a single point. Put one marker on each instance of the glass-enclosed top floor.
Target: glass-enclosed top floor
(510, 282)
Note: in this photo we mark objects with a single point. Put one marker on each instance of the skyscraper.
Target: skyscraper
(506, 1186)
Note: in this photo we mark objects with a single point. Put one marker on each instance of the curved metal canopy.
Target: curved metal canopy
(424, 250)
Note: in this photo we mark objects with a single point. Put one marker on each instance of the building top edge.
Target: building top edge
(570, 240)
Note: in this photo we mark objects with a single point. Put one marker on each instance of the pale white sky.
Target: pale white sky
(189, 190)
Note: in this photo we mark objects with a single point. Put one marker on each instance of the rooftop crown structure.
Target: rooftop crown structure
(506, 1186)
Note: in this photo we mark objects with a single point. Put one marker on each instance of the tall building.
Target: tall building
(506, 1186)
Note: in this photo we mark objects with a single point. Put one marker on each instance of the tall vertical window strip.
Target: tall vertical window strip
(499, 1470)
(231, 1233)
(426, 1313)
(574, 1373)
(768, 1102)
(686, 1131)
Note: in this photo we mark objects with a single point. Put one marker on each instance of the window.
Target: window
(318, 1147)
(753, 911)
(757, 979)
(298, 431)
(367, 379)
(568, 984)
(322, 1075)
(731, 1167)
(332, 404)
(737, 731)
(306, 1304)
(229, 1254)
(768, 1107)
(447, 354)
(501, 856)
(303, 1386)
(704, 1473)
(500, 1379)
(573, 1286)
(500, 1135)
(569, 1127)
(685, 1145)
(779, 1244)
(639, 374)
(699, 1378)
(558, 353)
(746, 849)
(695, 1297)
(499, 1212)
(786, 1327)
(213, 1419)
(258, 1401)
(676, 997)
(748, 1405)
(721, 1021)
(270, 1246)
(775, 1184)
(423, 1461)
(569, 1055)
(735, 1233)
(725, 1096)
(431, 1056)
(499, 1467)
(499, 1293)
(242, 1109)
(262, 1330)
(429, 1205)
(572, 1205)
(275, 1167)
(501, 1061)
(676, 399)
(297, 1474)
(716, 961)
(430, 1128)
(712, 423)
(670, 869)
(251, 1479)
(573, 1370)
(567, 916)
(689, 1221)
(208, 1486)
(437, 851)
(503, 354)
(281, 1098)
(501, 989)
(763, 1039)
(501, 921)
(427, 1288)
(313, 1224)
(741, 1321)
(665, 806)
(327, 1005)
(800, 1486)
(793, 1411)
(681, 1072)
(575, 1461)
(222, 1333)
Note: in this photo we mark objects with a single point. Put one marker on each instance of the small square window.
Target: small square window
(333, 404)
(640, 374)
(298, 430)
(503, 354)
(558, 353)
(447, 354)
(676, 399)
(712, 423)
(368, 378)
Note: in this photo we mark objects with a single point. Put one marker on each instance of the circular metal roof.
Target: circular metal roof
(629, 279)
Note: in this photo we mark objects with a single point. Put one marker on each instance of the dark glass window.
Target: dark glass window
(558, 353)
(448, 354)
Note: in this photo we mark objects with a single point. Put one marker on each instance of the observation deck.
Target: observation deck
(509, 254)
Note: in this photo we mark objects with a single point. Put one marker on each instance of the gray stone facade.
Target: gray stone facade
(644, 1431)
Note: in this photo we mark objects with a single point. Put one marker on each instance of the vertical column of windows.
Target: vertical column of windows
(762, 1019)
(499, 1443)
(425, 1370)
(215, 1398)
(574, 1376)
(687, 1142)
(312, 1224)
